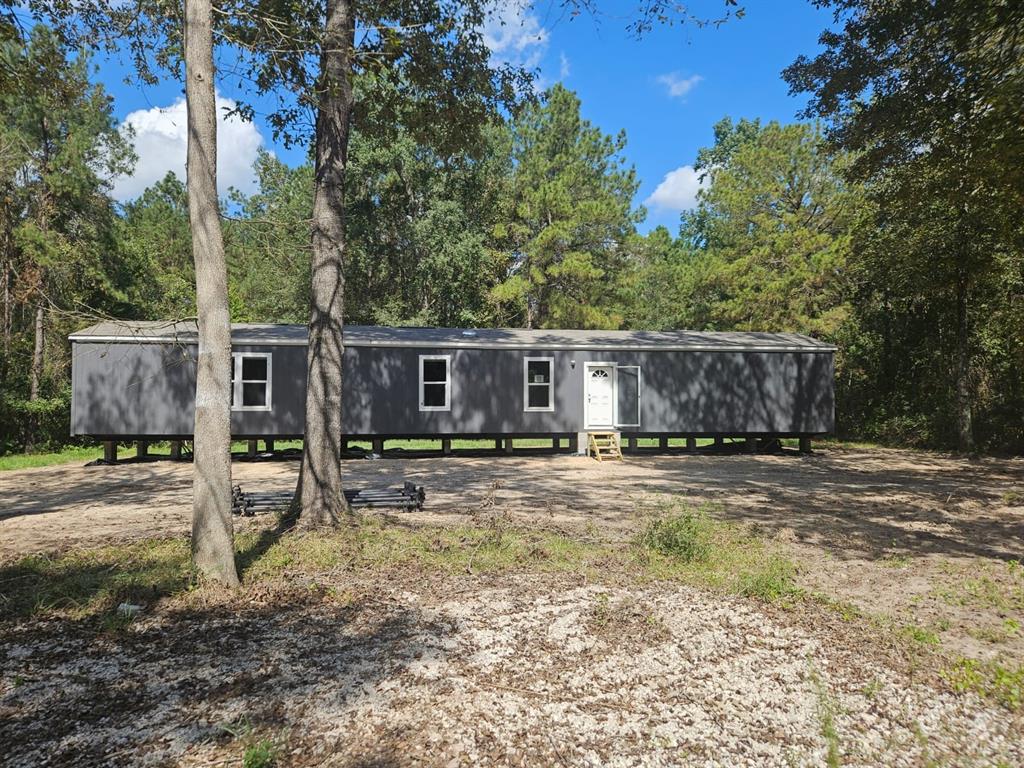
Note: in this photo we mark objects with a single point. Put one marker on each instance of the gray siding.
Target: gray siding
(147, 390)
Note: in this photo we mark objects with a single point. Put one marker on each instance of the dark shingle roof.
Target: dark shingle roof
(513, 338)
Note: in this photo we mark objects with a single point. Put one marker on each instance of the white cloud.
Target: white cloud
(514, 35)
(161, 144)
(677, 191)
(677, 85)
(563, 66)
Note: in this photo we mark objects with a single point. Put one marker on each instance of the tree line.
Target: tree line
(537, 227)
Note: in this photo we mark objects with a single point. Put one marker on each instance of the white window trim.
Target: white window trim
(237, 382)
(447, 383)
(550, 383)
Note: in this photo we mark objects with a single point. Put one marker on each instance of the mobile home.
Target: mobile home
(136, 381)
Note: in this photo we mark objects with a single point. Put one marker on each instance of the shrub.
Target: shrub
(41, 424)
(685, 536)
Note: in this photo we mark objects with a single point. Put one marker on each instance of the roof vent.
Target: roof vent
(469, 333)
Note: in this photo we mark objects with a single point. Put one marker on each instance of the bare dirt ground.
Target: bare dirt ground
(403, 667)
(925, 539)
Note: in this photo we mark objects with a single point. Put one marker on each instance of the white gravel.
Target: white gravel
(523, 674)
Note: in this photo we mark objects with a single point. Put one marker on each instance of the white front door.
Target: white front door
(600, 396)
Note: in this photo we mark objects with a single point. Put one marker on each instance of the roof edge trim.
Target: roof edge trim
(242, 341)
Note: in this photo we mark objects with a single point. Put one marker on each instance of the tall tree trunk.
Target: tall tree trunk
(32, 423)
(213, 552)
(320, 497)
(964, 419)
(5, 318)
(37, 355)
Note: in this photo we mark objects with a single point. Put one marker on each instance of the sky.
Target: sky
(666, 91)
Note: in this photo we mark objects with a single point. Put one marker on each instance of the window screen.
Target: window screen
(537, 384)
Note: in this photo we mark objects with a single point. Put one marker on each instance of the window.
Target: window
(538, 394)
(250, 381)
(435, 383)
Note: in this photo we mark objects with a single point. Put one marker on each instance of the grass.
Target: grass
(257, 752)
(77, 453)
(826, 706)
(683, 545)
(678, 544)
(69, 455)
(991, 679)
(693, 547)
(993, 586)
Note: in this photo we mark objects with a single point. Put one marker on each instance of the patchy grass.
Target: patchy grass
(770, 580)
(991, 679)
(684, 545)
(256, 752)
(919, 635)
(262, 754)
(90, 582)
(694, 547)
(372, 543)
(685, 536)
(998, 587)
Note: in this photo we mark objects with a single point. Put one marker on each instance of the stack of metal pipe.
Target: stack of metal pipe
(409, 497)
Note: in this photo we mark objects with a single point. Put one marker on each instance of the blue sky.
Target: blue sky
(666, 91)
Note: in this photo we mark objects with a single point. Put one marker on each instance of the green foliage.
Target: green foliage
(921, 94)
(43, 422)
(775, 226)
(773, 580)
(1004, 684)
(88, 583)
(566, 216)
(261, 754)
(691, 545)
(419, 229)
(154, 229)
(59, 250)
(686, 536)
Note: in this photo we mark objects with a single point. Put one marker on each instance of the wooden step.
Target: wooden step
(604, 445)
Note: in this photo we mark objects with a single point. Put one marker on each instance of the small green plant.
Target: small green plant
(257, 753)
(1003, 684)
(896, 561)
(920, 634)
(602, 609)
(261, 754)
(827, 719)
(1013, 497)
(872, 689)
(685, 536)
(773, 581)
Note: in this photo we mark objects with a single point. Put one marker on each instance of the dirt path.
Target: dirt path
(924, 538)
(855, 503)
(526, 671)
